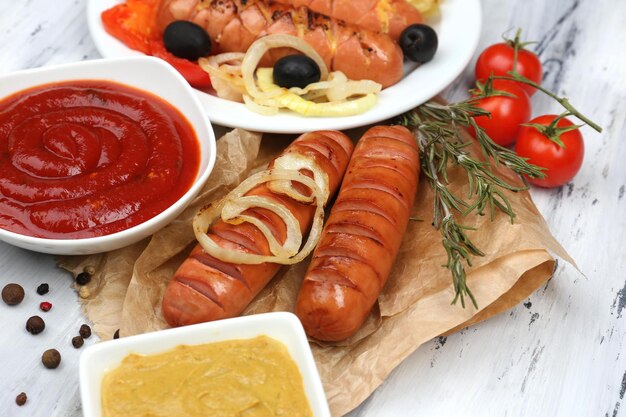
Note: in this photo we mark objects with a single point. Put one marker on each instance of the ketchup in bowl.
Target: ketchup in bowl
(83, 159)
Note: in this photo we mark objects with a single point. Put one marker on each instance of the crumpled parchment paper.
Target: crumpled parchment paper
(414, 307)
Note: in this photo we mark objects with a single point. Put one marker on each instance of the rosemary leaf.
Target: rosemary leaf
(437, 128)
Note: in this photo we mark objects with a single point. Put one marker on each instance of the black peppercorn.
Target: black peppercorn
(83, 278)
(85, 331)
(35, 325)
(51, 358)
(21, 399)
(116, 335)
(77, 341)
(12, 294)
(43, 289)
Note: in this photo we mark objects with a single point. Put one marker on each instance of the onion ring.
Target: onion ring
(205, 217)
(296, 162)
(261, 46)
(232, 213)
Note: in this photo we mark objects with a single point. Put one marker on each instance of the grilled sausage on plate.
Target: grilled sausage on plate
(234, 25)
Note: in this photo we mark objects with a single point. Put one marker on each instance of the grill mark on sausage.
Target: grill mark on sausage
(356, 204)
(322, 259)
(204, 290)
(372, 185)
(233, 235)
(228, 269)
(397, 170)
(336, 277)
(353, 228)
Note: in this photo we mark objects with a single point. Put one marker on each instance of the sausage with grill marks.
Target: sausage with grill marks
(234, 25)
(362, 236)
(205, 288)
(386, 16)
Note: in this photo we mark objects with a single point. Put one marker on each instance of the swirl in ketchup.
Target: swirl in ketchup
(90, 158)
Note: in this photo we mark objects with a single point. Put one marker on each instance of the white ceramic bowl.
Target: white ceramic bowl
(145, 73)
(96, 360)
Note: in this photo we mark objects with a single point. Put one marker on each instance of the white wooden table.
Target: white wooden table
(558, 354)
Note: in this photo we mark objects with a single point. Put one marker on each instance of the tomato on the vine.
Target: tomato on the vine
(507, 113)
(498, 60)
(561, 162)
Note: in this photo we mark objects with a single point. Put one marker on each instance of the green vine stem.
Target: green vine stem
(563, 101)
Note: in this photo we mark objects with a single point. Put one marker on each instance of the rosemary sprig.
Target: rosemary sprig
(437, 129)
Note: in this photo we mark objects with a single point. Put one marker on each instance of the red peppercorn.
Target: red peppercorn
(45, 306)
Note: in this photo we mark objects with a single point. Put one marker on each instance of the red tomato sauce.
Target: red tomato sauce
(90, 158)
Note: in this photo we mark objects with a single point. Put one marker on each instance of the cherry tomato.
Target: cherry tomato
(192, 72)
(498, 59)
(562, 163)
(507, 113)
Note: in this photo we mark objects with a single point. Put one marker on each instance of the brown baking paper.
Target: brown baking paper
(414, 307)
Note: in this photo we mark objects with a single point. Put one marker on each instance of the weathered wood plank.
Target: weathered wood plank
(558, 354)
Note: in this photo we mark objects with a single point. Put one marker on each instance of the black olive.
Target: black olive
(296, 71)
(186, 40)
(419, 43)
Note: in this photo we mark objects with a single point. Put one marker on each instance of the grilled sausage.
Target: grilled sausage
(362, 236)
(205, 288)
(234, 25)
(386, 16)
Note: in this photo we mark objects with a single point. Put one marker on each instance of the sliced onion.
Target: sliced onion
(307, 107)
(227, 85)
(331, 81)
(317, 95)
(257, 50)
(337, 87)
(342, 91)
(205, 217)
(228, 57)
(231, 69)
(296, 162)
(234, 208)
(257, 107)
(330, 109)
(233, 77)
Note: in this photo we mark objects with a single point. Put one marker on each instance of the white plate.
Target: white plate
(458, 31)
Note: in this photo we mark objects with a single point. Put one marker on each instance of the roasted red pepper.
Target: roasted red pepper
(192, 72)
(134, 24)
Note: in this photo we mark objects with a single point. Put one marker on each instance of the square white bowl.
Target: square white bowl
(284, 327)
(144, 73)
